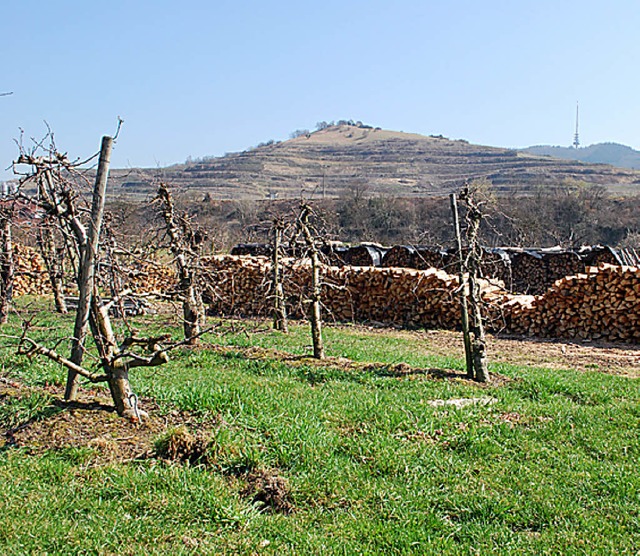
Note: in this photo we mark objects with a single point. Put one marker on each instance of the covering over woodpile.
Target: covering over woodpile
(528, 271)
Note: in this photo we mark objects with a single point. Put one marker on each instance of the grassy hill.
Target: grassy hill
(340, 158)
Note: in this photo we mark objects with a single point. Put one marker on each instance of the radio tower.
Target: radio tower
(576, 139)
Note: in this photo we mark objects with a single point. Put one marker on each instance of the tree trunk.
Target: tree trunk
(464, 310)
(54, 262)
(6, 265)
(86, 272)
(478, 344)
(279, 308)
(316, 317)
(186, 256)
(191, 303)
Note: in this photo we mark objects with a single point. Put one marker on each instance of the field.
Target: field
(360, 454)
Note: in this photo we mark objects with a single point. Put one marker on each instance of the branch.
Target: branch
(36, 348)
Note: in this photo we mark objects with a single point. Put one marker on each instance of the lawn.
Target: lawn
(547, 464)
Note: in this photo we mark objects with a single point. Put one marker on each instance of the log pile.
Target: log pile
(527, 271)
(366, 254)
(602, 303)
(393, 296)
(31, 276)
(408, 256)
(148, 277)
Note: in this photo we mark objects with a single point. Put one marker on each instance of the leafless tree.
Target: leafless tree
(279, 307)
(52, 253)
(305, 229)
(473, 264)
(81, 227)
(6, 260)
(185, 243)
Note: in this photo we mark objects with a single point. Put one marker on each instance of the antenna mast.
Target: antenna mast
(576, 139)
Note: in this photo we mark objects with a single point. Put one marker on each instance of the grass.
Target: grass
(550, 468)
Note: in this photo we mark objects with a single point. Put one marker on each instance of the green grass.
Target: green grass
(550, 468)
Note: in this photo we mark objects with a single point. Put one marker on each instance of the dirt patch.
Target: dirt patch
(91, 424)
(180, 445)
(269, 491)
(398, 370)
(618, 359)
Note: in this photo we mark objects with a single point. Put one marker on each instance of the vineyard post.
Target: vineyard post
(464, 310)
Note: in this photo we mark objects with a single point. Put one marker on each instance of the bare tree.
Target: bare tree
(185, 244)
(53, 257)
(315, 297)
(473, 264)
(279, 307)
(58, 199)
(6, 260)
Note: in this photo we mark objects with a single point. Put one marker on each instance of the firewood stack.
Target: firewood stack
(393, 296)
(367, 254)
(400, 256)
(31, 276)
(603, 303)
(147, 277)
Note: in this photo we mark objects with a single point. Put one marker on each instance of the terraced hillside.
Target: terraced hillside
(359, 159)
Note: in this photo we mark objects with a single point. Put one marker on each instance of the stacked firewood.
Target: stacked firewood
(602, 303)
(149, 277)
(528, 271)
(394, 296)
(31, 276)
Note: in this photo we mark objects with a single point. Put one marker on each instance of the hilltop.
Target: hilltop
(361, 158)
(600, 153)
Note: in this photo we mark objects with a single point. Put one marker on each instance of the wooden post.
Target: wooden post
(464, 310)
(279, 308)
(6, 264)
(86, 272)
(315, 316)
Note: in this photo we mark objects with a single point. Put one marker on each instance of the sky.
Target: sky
(201, 78)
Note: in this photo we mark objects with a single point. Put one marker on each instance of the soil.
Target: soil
(91, 423)
(94, 425)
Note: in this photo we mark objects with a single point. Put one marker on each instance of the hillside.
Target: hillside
(601, 153)
(363, 159)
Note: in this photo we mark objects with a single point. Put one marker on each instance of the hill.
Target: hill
(601, 153)
(359, 158)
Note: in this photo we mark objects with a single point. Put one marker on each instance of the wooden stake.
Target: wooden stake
(86, 272)
(279, 308)
(464, 310)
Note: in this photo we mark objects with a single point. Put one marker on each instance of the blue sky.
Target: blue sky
(197, 78)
